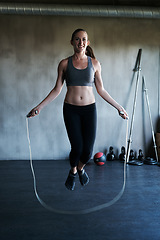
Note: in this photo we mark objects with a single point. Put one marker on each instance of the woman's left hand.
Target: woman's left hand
(123, 113)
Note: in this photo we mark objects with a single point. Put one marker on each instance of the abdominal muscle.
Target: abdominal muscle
(79, 95)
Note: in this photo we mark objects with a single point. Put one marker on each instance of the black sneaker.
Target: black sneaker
(70, 182)
(83, 177)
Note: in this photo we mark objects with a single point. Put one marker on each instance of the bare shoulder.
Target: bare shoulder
(62, 66)
(63, 63)
(96, 64)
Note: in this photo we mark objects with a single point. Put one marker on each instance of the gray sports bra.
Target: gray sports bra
(79, 77)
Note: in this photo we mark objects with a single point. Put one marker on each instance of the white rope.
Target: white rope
(76, 212)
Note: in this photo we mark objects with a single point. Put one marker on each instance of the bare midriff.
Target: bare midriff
(79, 95)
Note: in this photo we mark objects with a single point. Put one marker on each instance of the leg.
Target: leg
(73, 127)
(81, 166)
(89, 124)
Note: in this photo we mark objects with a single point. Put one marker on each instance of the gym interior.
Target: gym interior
(32, 43)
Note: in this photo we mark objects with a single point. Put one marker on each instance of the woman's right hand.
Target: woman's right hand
(34, 112)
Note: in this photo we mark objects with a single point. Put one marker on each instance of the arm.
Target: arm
(53, 93)
(104, 94)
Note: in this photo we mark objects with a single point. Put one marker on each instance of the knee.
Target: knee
(86, 156)
(76, 152)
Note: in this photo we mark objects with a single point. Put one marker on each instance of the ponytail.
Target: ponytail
(89, 52)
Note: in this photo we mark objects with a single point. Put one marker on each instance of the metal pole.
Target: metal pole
(159, 86)
(137, 69)
(79, 10)
(149, 111)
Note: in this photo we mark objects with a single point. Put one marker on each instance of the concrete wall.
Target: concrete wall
(30, 50)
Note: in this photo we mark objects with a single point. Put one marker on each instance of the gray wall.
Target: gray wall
(30, 50)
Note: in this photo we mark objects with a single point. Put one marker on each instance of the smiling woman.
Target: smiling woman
(80, 71)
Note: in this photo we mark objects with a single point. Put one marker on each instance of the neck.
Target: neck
(79, 56)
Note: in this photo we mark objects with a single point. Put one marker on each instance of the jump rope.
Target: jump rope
(77, 212)
(127, 144)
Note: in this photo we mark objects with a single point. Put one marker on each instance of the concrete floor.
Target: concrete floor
(136, 216)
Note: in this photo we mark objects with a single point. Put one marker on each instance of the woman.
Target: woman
(80, 72)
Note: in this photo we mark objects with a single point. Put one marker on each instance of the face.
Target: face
(80, 41)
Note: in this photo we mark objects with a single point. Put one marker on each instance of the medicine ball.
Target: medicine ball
(99, 158)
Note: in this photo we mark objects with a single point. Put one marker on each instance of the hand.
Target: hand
(34, 112)
(123, 113)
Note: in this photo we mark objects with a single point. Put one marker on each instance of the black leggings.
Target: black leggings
(80, 122)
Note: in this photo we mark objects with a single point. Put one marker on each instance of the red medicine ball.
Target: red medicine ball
(99, 158)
